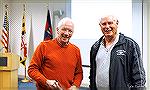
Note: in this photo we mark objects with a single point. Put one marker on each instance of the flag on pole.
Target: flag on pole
(23, 40)
(5, 32)
(48, 28)
(24, 45)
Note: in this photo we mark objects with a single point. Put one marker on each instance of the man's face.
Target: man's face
(109, 26)
(65, 32)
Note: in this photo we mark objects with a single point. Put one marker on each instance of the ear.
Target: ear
(100, 24)
(117, 22)
(57, 29)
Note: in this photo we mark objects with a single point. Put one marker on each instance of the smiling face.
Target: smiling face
(109, 25)
(65, 31)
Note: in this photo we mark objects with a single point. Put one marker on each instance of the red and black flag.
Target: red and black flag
(48, 28)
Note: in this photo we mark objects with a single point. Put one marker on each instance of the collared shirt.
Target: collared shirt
(103, 63)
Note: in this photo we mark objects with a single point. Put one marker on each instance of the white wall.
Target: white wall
(147, 38)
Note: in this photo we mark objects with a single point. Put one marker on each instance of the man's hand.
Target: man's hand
(73, 88)
(53, 84)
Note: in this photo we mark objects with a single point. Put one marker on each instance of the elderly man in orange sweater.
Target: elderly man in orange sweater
(56, 64)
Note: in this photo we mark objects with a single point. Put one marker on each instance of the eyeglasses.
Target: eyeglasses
(67, 30)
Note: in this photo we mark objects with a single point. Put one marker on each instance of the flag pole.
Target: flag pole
(25, 57)
(25, 76)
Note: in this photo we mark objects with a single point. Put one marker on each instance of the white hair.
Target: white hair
(111, 16)
(62, 21)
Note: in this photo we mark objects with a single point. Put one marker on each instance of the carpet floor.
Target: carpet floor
(31, 86)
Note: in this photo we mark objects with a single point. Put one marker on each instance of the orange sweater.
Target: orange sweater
(50, 61)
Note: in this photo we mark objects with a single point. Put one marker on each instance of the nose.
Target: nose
(67, 32)
(107, 25)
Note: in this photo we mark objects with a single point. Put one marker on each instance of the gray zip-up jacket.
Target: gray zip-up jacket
(126, 71)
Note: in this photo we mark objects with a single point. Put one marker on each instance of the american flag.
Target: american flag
(23, 42)
(5, 32)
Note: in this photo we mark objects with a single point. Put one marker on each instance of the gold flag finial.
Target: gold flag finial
(6, 6)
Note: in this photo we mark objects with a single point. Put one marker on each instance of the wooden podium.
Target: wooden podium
(9, 64)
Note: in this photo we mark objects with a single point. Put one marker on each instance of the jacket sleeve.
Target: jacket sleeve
(78, 75)
(35, 66)
(92, 69)
(138, 72)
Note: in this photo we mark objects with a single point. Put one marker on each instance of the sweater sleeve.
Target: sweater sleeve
(78, 75)
(35, 66)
